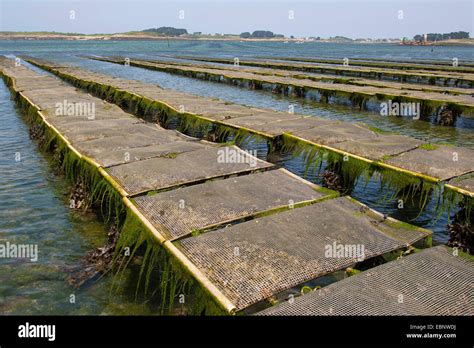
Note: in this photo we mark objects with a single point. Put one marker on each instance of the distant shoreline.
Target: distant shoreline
(129, 38)
(138, 37)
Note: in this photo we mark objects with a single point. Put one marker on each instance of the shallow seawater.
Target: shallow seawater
(462, 135)
(238, 49)
(33, 205)
(368, 193)
(34, 211)
(371, 193)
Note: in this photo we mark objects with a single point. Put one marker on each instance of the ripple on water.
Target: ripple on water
(33, 210)
(33, 202)
(424, 130)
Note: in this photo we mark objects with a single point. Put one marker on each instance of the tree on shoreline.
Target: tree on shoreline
(260, 34)
(167, 31)
(439, 37)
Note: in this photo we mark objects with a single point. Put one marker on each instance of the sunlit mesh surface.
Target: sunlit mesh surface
(179, 212)
(160, 173)
(431, 282)
(251, 261)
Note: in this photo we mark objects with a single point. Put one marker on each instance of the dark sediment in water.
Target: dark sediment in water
(461, 232)
(36, 132)
(98, 261)
(78, 198)
(333, 180)
(447, 116)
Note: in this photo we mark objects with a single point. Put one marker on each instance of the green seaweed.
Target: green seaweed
(171, 281)
(358, 100)
(313, 156)
(405, 187)
(429, 147)
(379, 130)
(397, 185)
(350, 168)
(351, 271)
(133, 233)
(173, 278)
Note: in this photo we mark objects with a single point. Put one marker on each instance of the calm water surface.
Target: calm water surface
(33, 205)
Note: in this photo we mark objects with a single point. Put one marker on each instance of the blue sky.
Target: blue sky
(351, 18)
